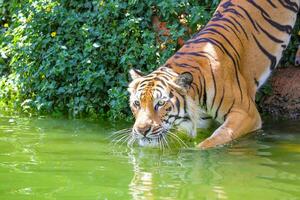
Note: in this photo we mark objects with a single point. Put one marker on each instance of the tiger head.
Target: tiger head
(158, 102)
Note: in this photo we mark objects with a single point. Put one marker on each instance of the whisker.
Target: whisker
(127, 130)
(159, 143)
(163, 143)
(117, 137)
(177, 139)
(180, 141)
(166, 142)
(116, 141)
(126, 139)
(131, 142)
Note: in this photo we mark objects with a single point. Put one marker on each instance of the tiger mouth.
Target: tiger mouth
(152, 140)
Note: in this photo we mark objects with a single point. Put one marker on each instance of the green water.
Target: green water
(74, 159)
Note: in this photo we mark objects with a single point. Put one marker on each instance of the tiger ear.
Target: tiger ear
(184, 80)
(135, 73)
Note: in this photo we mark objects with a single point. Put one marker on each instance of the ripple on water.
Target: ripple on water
(61, 159)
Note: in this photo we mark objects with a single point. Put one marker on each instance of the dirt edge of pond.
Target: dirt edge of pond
(284, 101)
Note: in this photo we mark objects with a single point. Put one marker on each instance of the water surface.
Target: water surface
(74, 159)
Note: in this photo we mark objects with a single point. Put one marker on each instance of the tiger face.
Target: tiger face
(158, 102)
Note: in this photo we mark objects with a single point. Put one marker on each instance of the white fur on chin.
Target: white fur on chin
(148, 143)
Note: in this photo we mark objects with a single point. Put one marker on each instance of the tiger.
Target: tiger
(297, 57)
(215, 75)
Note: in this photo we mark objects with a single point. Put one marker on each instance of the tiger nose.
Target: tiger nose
(144, 130)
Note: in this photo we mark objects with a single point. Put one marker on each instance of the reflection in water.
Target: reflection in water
(220, 193)
(172, 175)
(141, 184)
(252, 168)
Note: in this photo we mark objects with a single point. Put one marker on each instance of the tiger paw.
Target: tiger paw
(206, 144)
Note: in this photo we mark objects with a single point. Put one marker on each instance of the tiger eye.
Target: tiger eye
(161, 102)
(136, 103)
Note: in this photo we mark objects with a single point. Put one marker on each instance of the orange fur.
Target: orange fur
(229, 60)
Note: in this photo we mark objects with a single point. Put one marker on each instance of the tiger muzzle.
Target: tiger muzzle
(144, 130)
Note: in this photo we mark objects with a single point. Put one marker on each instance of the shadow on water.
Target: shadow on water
(58, 159)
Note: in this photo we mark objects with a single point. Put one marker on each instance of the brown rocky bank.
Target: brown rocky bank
(284, 101)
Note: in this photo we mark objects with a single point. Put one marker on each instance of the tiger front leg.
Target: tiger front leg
(237, 124)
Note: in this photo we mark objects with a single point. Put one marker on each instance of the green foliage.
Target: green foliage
(265, 90)
(288, 56)
(72, 57)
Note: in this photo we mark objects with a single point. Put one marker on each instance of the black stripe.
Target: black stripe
(161, 80)
(240, 25)
(187, 53)
(164, 70)
(205, 118)
(202, 86)
(249, 17)
(258, 7)
(236, 66)
(207, 53)
(269, 55)
(271, 3)
(274, 39)
(200, 90)
(159, 86)
(204, 94)
(225, 38)
(266, 16)
(162, 74)
(233, 11)
(237, 34)
(160, 92)
(229, 110)
(289, 5)
(223, 49)
(216, 25)
(227, 4)
(176, 117)
(230, 22)
(142, 85)
(215, 86)
(280, 27)
(177, 103)
(208, 40)
(184, 64)
(256, 82)
(217, 16)
(224, 27)
(220, 104)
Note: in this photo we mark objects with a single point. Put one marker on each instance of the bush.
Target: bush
(71, 57)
